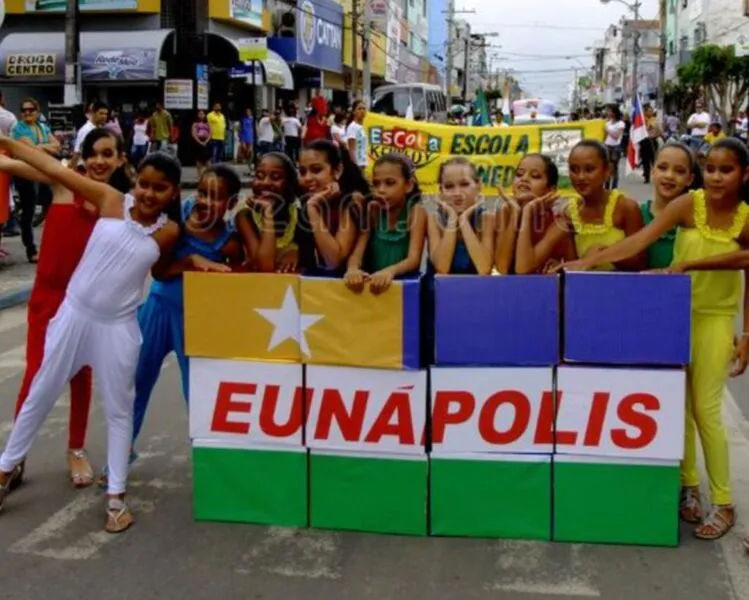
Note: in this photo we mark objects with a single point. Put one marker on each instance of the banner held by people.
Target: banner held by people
(495, 151)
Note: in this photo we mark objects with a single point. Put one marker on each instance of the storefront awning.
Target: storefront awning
(106, 56)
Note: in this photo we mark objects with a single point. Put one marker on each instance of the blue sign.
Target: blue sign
(319, 36)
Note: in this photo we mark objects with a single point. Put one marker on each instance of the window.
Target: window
(671, 48)
(684, 3)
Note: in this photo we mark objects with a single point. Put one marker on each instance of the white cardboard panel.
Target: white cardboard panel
(492, 409)
(492, 457)
(246, 402)
(366, 409)
(621, 413)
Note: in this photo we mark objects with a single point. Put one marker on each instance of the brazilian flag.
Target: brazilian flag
(481, 116)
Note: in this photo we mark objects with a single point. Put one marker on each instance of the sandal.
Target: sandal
(719, 521)
(119, 517)
(81, 472)
(690, 507)
(6, 487)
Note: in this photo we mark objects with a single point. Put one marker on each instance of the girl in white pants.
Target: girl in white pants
(96, 324)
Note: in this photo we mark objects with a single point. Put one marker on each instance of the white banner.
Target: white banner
(246, 403)
(366, 409)
(492, 409)
(626, 413)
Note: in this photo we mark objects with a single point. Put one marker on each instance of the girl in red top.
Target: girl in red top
(68, 225)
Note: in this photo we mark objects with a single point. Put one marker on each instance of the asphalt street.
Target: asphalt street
(52, 543)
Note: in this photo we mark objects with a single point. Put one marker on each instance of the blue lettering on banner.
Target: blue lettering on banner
(320, 35)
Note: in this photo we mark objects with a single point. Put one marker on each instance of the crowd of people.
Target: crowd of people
(317, 213)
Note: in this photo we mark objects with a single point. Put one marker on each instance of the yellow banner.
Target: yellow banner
(496, 151)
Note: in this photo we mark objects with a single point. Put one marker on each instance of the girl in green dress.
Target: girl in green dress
(393, 242)
(673, 174)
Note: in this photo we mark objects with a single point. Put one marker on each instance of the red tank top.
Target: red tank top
(67, 228)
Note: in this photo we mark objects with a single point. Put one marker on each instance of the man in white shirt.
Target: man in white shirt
(265, 134)
(97, 117)
(699, 123)
(292, 132)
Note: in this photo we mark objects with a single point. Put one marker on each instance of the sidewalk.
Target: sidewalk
(16, 273)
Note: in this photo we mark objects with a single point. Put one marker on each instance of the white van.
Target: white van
(428, 101)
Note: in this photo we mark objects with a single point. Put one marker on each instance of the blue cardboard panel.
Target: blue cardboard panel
(497, 321)
(627, 318)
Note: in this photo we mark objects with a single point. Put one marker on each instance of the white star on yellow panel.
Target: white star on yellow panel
(288, 322)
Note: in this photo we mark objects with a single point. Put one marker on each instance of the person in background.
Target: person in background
(278, 139)
(264, 133)
(201, 136)
(715, 133)
(292, 131)
(160, 127)
(174, 134)
(317, 126)
(649, 146)
(499, 120)
(247, 138)
(338, 128)
(31, 193)
(614, 130)
(742, 126)
(673, 124)
(356, 136)
(113, 123)
(139, 139)
(217, 123)
(698, 123)
(7, 122)
(98, 115)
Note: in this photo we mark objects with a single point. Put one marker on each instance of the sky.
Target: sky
(543, 41)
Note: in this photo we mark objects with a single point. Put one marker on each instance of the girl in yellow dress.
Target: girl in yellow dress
(711, 222)
(596, 218)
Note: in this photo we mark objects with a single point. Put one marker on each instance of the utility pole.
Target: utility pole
(367, 67)
(449, 66)
(72, 96)
(354, 47)
(660, 99)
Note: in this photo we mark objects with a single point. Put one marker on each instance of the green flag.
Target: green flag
(481, 116)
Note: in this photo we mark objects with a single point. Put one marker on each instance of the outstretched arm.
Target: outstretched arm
(105, 198)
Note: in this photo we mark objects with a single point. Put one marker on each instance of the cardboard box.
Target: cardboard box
(263, 484)
(627, 318)
(495, 321)
(620, 412)
(616, 501)
(488, 495)
(372, 492)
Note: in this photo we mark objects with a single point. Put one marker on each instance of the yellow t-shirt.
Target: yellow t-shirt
(713, 292)
(711, 138)
(588, 235)
(217, 123)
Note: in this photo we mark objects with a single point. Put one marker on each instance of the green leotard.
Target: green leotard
(388, 247)
(661, 253)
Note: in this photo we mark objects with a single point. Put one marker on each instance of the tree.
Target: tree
(723, 76)
(680, 96)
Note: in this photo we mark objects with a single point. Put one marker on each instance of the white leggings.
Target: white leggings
(76, 338)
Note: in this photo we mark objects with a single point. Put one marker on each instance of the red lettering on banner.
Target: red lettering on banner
(226, 405)
(596, 419)
(522, 410)
(395, 419)
(563, 438)
(545, 425)
(442, 416)
(333, 407)
(267, 420)
(629, 415)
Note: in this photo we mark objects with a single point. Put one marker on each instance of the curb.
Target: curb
(14, 298)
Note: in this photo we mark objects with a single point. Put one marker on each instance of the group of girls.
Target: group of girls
(322, 217)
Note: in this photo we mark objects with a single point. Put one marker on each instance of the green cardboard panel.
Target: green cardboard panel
(260, 485)
(491, 496)
(616, 503)
(375, 493)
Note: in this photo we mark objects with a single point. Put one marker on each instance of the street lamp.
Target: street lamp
(635, 8)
